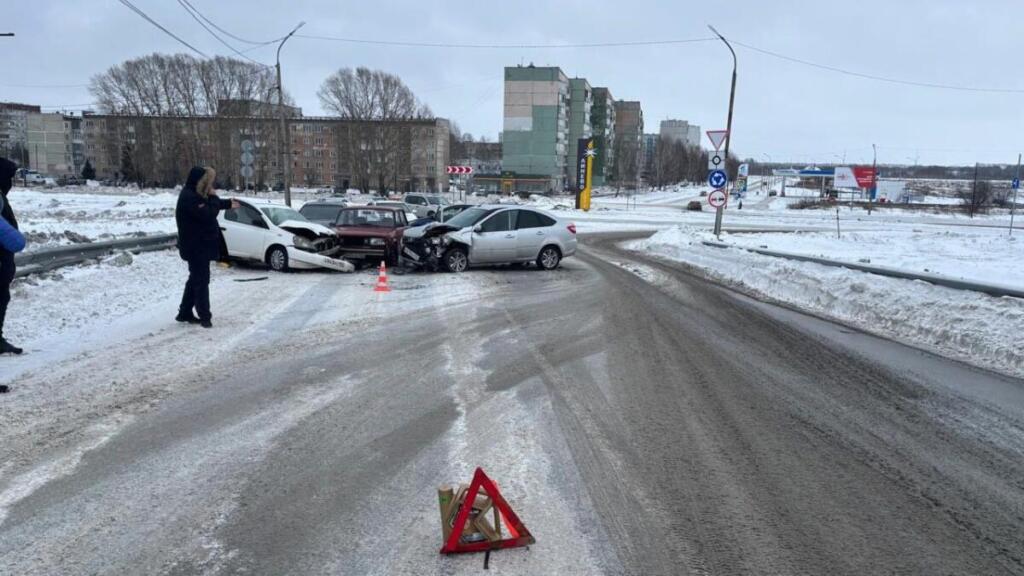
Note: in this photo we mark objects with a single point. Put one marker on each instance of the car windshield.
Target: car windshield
(469, 217)
(367, 217)
(279, 214)
(321, 211)
(436, 200)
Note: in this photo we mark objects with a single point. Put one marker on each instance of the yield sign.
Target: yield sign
(717, 137)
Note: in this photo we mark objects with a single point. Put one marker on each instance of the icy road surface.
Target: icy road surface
(638, 418)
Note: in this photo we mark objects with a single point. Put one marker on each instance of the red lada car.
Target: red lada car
(370, 234)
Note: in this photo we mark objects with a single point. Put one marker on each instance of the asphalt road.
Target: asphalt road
(640, 419)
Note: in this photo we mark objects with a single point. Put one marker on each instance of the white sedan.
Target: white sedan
(280, 237)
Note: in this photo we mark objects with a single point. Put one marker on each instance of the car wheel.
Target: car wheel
(549, 258)
(456, 260)
(277, 259)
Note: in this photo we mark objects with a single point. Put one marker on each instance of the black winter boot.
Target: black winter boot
(8, 348)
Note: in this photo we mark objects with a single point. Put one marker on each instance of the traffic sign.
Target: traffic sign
(247, 146)
(247, 171)
(1016, 183)
(717, 137)
(248, 158)
(716, 161)
(717, 198)
(459, 169)
(717, 179)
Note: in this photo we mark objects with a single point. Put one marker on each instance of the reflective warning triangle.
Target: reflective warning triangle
(717, 137)
(518, 534)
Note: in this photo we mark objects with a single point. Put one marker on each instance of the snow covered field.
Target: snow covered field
(976, 328)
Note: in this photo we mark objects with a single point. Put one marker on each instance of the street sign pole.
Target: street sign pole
(728, 125)
(1016, 185)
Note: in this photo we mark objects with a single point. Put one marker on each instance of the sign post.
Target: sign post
(585, 152)
(717, 176)
(1015, 185)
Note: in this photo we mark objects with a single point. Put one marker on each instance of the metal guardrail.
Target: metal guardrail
(47, 259)
(939, 280)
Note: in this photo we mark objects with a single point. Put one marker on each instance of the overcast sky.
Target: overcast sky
(787, 110)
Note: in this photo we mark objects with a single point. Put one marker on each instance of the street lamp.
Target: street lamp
(286, 143)
(728, 124)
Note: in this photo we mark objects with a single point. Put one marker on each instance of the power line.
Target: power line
(229, 34)
(880, 78)
(188, 8)
(501, 46)
(135, 9)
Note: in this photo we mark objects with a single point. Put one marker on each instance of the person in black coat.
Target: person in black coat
(7, 171)
(198, 241)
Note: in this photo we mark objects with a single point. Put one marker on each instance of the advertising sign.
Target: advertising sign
(744, 170)
(865, 176)
(585, 152)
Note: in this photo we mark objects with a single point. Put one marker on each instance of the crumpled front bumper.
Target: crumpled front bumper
(302, 259)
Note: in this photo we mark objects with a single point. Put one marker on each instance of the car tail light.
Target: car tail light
(572, 228)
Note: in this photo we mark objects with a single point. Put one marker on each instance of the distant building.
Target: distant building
(649, 151)
(14, 130)
(535, 132)
(49, 144)
(602, 124)
(238, 107)
(401, 155)
(629, 131)
(681, 131)
(581, 101)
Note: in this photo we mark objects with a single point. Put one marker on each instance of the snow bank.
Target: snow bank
(971, 327)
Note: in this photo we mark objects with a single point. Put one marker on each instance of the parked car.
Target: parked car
(425, 205)
(410, 214)
(443, 215)
(31, 177)
(277, 235)
(324, 212)
(491, 234)
(70, 181)
(371, 233)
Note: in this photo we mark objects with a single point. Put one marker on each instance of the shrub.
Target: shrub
(694, 206)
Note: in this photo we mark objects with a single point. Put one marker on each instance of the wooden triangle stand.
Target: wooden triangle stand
(482, 485)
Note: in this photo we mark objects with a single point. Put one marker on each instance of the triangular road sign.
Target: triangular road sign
(518, 534)
(717, 137)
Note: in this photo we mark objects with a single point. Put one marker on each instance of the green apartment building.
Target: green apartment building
(535, 133)
(602, 126)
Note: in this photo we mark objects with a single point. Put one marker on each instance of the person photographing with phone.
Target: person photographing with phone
(199, 242)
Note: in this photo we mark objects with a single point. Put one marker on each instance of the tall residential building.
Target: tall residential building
(14, 131)
(681, 131)
(629, 133)
(49, 144)
(602, 123)
(535, 133)
(650, 150)
(581, 101)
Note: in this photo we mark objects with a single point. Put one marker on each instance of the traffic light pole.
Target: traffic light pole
(728, 126)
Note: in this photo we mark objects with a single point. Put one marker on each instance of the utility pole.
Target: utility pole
(874, 177)
(286, 141)
(728, 124)
(1013, 205)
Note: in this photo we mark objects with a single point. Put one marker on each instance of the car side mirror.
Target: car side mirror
(478, 228)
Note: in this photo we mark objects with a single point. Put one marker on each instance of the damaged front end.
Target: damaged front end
(316, 247)
(425, 246)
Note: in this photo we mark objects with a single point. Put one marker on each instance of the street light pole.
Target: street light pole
(874, 176)
(728, 124)
(1014, 204)
(286, 142)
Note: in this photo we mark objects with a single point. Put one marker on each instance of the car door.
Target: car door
(245, 232)
(532, 230)
(495, 242)
(417, 204)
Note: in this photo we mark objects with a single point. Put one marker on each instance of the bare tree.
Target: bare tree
(375, 100)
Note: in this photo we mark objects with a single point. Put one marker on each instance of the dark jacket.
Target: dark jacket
(198, 230)
(7, 171)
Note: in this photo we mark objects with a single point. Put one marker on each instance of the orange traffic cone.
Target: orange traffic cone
(382, 280)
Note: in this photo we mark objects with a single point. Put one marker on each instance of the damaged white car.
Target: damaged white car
(280, 237)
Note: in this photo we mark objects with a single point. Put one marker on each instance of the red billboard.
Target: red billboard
(865, 176)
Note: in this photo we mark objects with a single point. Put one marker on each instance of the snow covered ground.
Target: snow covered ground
(976, 328)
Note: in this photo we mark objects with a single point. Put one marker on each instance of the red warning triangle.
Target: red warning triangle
(518, 534)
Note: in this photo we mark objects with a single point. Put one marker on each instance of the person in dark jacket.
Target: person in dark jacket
(7, 171)
(198, 241)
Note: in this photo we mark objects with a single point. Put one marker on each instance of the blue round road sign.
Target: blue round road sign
(717, 179)
(1016, 183)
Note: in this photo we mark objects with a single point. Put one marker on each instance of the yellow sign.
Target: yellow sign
(588, 158)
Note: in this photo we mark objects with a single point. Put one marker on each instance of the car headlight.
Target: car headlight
(301, 242)
(375, 241)
(436, 240)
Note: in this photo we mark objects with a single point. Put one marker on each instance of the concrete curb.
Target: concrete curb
(939, 280)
